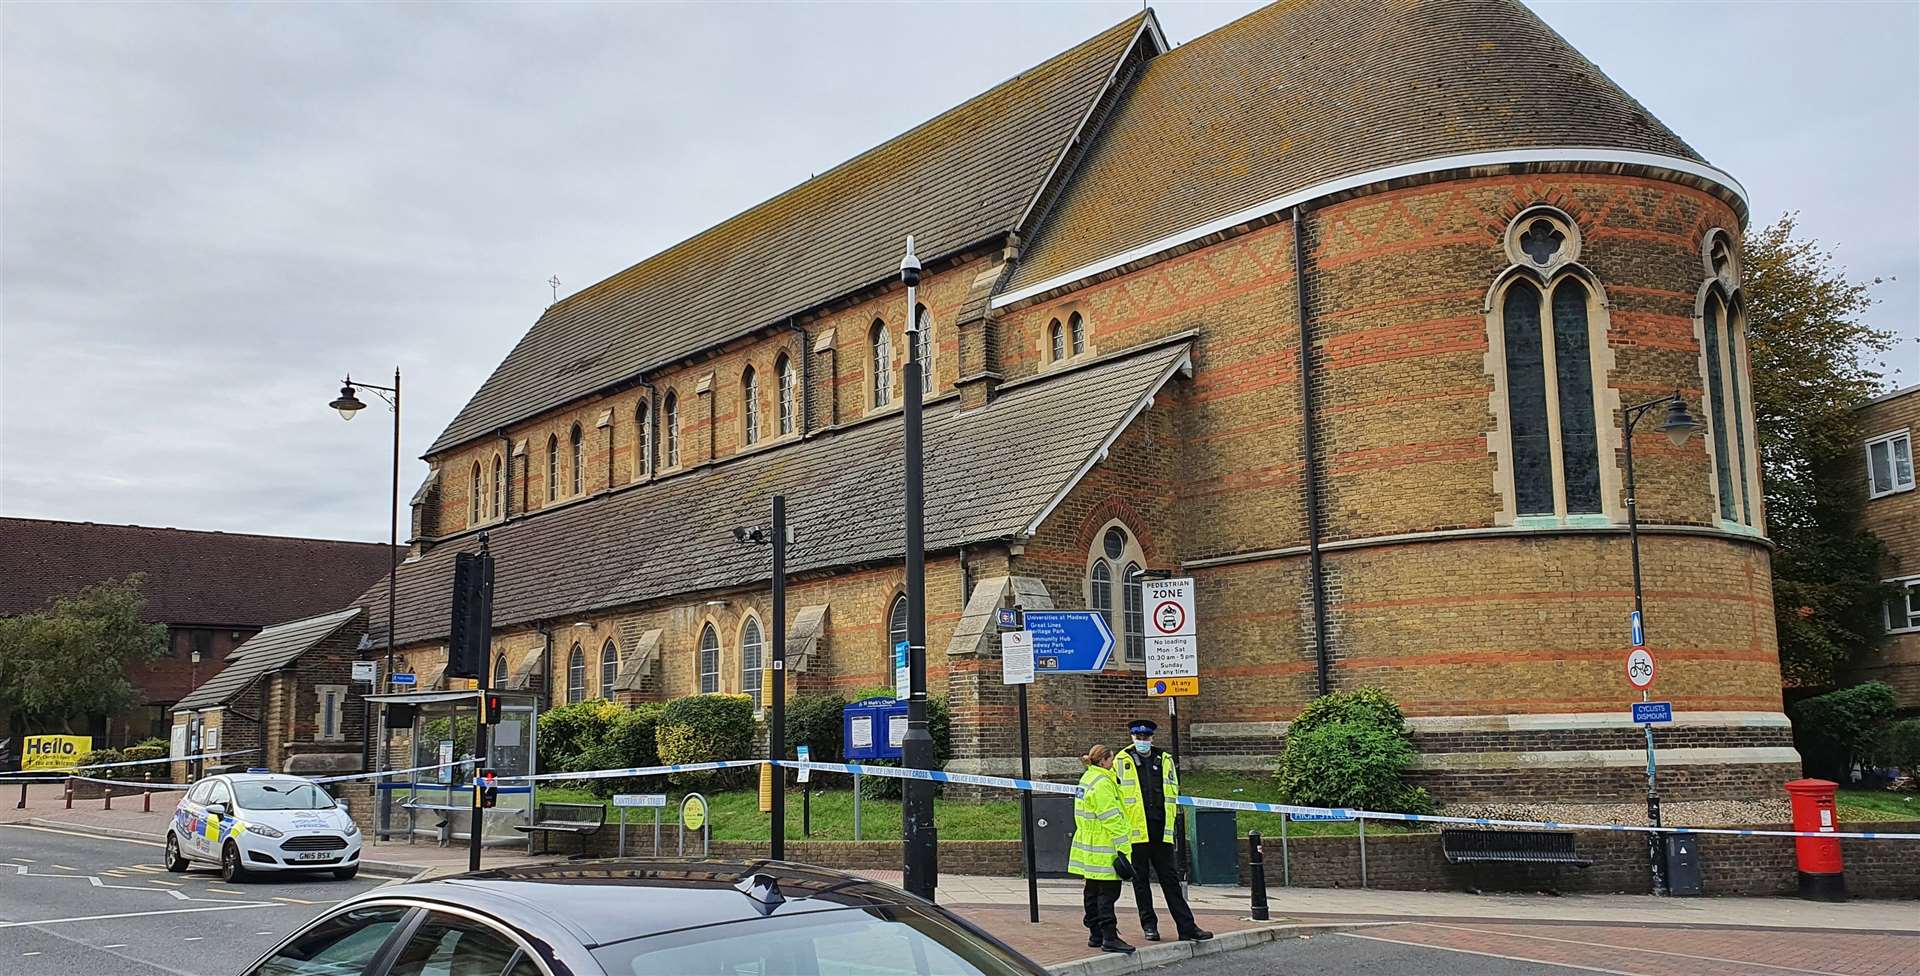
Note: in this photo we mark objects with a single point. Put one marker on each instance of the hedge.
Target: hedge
(1351, 749)
(567, 731)
(707, 728)
(1838, 728)
(1899, 746)
(631, 740)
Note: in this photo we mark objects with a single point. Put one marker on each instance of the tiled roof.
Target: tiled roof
(1299, 93)
(266, 652)
(959, 179)
(989, 473)
(213, 578)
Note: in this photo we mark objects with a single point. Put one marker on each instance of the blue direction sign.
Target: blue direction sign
(1639, 631)
(1649, 713)
(1009, 618)
(405, 679)
(1069, 640)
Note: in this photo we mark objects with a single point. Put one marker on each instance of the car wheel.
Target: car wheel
(230, 867)
(346, 873)
(174, 861)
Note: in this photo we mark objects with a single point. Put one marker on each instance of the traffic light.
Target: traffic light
(489, 708)
(469, 632)
(489, 790)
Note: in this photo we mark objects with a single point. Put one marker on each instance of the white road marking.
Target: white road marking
(170, 884)
(296, 901)
(163, 911)
(22, 860)
(1622, 948)
(123, 945)
(196, 938)
(60, 867)
(1487, 955)
(69, 833)
(35, 953)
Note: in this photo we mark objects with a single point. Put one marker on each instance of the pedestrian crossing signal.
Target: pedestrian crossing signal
(489, 790)
(489, 709)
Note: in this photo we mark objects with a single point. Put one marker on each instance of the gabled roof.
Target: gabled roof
(1301, 93)
(213, 578)
(264, 653)
(964, 177)
(990, 473)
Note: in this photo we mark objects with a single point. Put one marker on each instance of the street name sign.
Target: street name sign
(1649, 713)
(1336, 817)
(1016, 657)
(1070, 640)
(640, 800)
(1640, 669)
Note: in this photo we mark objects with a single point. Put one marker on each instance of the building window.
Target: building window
(750, 405)
(673, 430)
(609, 668)
(1903, 607)
(1551, 418)
(498, 495)
(881, 347)
(1100, 588)
(579, 457)
(1134, 623)
(1077, 328)
(642, 443)
(709, 661)
(1890, 464)
(923, 322)
(576, 675)
(752, 660)
(500, 671)
(783, 368)
(1117, 561)
(332, 701)
(1057, 340)
(553, 467)
(474, 496)
(896, 625)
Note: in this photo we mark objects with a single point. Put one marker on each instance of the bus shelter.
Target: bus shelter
(437, 803)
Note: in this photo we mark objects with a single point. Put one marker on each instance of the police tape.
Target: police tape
(57, 774)
(166, 787)
(936, 776)
(636, 771)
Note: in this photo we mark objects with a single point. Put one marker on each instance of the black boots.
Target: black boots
(1110, 942)
(1152, 931)
(1093, 940)
(1197, 935)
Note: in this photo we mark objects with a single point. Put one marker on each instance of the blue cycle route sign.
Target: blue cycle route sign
(1649, 713)
(1069, 640)
(1637, 630)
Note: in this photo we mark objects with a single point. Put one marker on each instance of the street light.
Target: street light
(349, 404)
(777, 706)
(922, 856)
(1678, 426)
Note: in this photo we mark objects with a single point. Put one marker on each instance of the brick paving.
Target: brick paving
(1641, 950)
(1059, 936)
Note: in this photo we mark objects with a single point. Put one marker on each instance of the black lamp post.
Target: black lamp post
(922, 856)
(1678, 426)
(348, 404)
(777, 704)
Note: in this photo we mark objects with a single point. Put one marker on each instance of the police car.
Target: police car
(259, 821)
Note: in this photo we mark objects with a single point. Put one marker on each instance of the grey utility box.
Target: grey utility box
(1683, 864)
(1052, 833)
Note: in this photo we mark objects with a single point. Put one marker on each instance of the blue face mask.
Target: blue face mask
(1142, 746)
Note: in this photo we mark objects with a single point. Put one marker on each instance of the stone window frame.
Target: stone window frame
(334, 713)
(749, 406)
(1132, 654)
(879, 365)
(474, 496)
(923, 323)
(1722, 291)
(577, 460)
(670, 412)
(500, 671)
(576, 664)
(786, 384)
(1068, 337)
(1890, 438)
(1909, 593)
(756, 687)
(1601, 363)
(896, 607)
(609, 667)
(642, 440)
(553, 467)
(700, 650)
(1077, 332)
(497, 488)
(1056, 341)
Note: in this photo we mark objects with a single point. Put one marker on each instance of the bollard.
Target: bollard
(106, 792)
(69, 794)
(23, 796)
(1257, 861)
(146, 801)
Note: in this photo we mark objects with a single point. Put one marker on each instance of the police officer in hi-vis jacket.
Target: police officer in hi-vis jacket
(1149, 787)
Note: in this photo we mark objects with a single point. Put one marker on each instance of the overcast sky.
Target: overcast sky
(209, 213)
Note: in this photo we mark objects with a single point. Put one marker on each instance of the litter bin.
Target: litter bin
(1683, 865)
(1052, 833)
(1213, 838)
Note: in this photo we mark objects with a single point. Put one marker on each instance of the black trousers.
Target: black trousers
(1151, 859)
(1098, 899)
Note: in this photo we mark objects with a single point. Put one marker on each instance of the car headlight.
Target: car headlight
(264, 830)
(351, 828)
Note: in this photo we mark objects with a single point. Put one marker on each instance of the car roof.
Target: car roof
(615, 899)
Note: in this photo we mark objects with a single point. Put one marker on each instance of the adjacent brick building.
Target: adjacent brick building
(1335, 309)
(1887, 427)
(212, 591)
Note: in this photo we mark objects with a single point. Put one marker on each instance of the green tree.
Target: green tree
(1812, 353)
(69, 662)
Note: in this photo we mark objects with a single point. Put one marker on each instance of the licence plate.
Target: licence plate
(316, 855)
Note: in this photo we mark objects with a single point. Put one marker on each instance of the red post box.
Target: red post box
(1821, 877)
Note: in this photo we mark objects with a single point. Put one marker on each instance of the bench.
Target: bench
(1549, 847)
(579, 819)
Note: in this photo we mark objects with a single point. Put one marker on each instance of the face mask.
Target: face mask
(1142, 746)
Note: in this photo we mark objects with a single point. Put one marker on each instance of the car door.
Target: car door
(214, 822)
(186, 817)
(343, 944)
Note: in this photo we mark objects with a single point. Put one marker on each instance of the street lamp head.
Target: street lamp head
(347, 403)
(1679, 424)
(910, 266)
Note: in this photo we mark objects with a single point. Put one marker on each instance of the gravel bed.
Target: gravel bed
(1679, 813)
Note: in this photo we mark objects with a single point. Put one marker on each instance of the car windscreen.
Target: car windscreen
(891, 940)
(280, 796)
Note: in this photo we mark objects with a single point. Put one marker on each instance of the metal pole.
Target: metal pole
(1286, 859)
(856, 806)
(1632, 416)
(1182, 855)
(482, 758)
(393, 572)
(1257, 863)
(777, 733)
(1363, 852)
(921, 856)
(1026, 810)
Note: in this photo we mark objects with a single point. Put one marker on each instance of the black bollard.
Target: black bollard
(1257, 860)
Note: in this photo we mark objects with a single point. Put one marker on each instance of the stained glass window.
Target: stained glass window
(1579, 441)
(1717, 410)
(1527, 402)
(709, 661)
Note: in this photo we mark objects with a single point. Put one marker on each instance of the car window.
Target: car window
(891, 941)
(199, 792)
(220, 794)
(282, 795)
(525, 966)
(342, 945)
(448, 945)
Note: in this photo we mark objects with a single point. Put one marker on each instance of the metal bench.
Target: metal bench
(1522, 846)
(579, 819)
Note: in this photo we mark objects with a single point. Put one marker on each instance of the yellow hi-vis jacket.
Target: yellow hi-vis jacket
(1099, 826)
(1126, 771)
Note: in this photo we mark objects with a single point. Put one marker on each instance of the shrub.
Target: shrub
(153, 742)
(565, 733)
(814, 721)
(1351, 749)
(707, 728)
(1838, 728)
(1899, 746)
(89, 764)
(149, 773)
(631, 740)
(939, 725)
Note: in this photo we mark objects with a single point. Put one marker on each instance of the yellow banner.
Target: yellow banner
(53, 751)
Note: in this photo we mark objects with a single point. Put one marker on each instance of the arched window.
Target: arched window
(1100, 587)
(752, 660)
(576, 675)
(498, 495)
(500, 671)
(1057, 340)
(1579, 437)
(709, 661)
(923, 322)
(642, 442)
(1724, 408)
(553, 467)
(1117, 562)
(881, 347)
(1077, 327)
(896, 624)
(673, 430)
(474, 496)
(579, 455)
(1134, 619)
(783, 368)
(609, 668)
(750, 405)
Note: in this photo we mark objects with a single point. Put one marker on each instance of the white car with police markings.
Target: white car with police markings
(259, 822)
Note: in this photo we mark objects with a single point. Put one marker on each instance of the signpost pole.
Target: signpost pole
(777, 728)
(1026, 810)
(482, 637)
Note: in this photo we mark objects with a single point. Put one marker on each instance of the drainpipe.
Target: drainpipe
(1316, 572)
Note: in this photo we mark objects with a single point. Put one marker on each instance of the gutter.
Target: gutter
(1316, 570)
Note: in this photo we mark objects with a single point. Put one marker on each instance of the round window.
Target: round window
(1115, 543)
